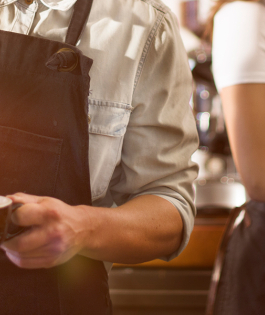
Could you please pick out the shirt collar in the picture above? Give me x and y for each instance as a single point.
(6, 2)
(61, 5)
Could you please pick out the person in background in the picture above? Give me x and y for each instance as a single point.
(238, 54)
(141, 137)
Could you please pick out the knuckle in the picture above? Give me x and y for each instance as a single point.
(56, 240)
(19, 194)
(59, 248)
(45, 200)
(55, 233)
(51, 214)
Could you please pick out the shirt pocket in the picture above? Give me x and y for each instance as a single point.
(108, 124)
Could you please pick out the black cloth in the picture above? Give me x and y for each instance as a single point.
(241, 290)
(44, 87)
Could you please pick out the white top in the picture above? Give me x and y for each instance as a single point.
(239, 44)
(142, 130)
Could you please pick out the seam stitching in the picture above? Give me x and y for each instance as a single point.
(146, 49)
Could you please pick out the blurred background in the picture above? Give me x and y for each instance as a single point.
(181, 286)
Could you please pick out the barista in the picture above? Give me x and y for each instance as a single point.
(239, 72)
(141, 136)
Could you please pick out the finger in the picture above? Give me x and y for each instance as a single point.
(41, 258)
(35, 239)
(42, 252)
(32, 262)
(23, 242)
(28, 214)
(33, 214)
(25, 198)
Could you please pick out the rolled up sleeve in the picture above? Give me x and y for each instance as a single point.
(161, 135)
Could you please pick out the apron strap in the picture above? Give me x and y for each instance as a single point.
(81, 13)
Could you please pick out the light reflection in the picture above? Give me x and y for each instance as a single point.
(106, 30)
(137, 35)
(204, 94)
(102, 33)
(204, 120)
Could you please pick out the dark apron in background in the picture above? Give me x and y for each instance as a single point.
(241, 287)
(44, 87)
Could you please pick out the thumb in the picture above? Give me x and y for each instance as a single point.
(24, 198)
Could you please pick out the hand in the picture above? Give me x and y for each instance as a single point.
(57, 232)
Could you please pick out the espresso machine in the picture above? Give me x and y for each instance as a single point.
(218, 185)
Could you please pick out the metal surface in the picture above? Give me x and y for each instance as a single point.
(226, 193)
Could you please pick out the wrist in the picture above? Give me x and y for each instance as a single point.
(90, 237)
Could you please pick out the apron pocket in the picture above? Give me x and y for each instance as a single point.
(28, 162)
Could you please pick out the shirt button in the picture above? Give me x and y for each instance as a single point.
(28, 1)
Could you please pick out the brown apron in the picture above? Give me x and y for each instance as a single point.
(44, 87)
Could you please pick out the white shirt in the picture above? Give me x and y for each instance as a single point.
(239, 44)
(142, 130)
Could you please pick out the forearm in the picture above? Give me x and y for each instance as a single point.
(144, 228)
(244, 114)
